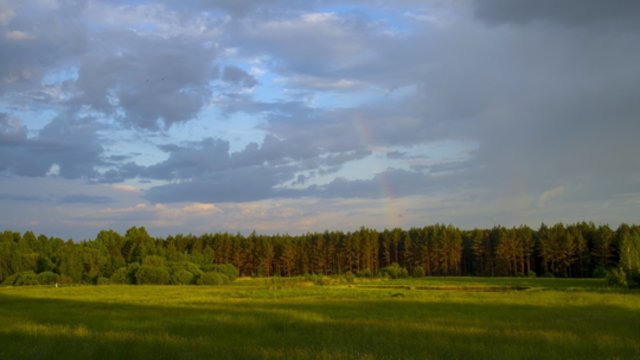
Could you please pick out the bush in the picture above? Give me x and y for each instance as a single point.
(548, 275)
(349, 277)
(228, 270)
(418, 271)
(47, 278)
(394, 271)
(120, 276)
(633, 278)
(9, 280)
(23, 279)
(102, 281)
(532, 275)
(213, 278)
(152, 275)
(617, 277)
(184, 273)
(64, 279)
(600, 272)
(366, 273)
(183, 277)
(317, 279)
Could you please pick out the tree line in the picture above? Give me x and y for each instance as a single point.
(576, 250)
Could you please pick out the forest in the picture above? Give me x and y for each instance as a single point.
(577, 250)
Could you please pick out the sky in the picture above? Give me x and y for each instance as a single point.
(285, 116)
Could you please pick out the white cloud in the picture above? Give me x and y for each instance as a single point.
(17, 35)
(200, 208)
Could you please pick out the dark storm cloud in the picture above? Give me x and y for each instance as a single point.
(211, 173)
(67, 199)
(244, 184)
(390, 183)
(235, 75)
(85, 199)
(565, 12)
(208, 169)
(155, 81)
(24, 198)
(70, 144)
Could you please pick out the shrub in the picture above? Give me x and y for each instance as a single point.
(366, 273)
(120, 276)
(25, 279)
(190, 267)
(226, 269)
(633, 279)
(102, 281)
(183, 277)
(394, 271)
(47, 278)
(617, 277)
(132, 271)
(9, 280)
(349, 277)
(213, 278)
(154, 275)
(184, 273)
(316, 279)
(64, 279)
(418, 271)
(532, 275)
(600, 272)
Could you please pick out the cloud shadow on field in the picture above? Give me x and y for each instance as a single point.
(311, 328)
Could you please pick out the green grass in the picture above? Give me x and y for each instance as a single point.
(437, 318)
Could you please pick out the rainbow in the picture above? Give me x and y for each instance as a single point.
(366, 138)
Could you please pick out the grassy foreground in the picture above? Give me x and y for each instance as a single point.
(452, 318)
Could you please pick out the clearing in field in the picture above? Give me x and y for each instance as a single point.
(437, 318)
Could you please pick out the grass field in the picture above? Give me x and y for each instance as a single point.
(450, 318)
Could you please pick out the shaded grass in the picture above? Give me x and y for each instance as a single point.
(251, 319)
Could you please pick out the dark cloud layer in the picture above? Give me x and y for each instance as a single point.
(535, 98)
(154, 81)
(565, 12)
(69, 144)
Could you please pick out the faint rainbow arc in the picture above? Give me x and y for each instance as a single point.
(366, 137)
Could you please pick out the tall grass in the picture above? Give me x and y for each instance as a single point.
(262, 318)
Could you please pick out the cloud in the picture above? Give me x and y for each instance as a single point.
(235, 75)
(200, 208)
(322, 83)
(156, 98)
(567, 12)
(240, 8)
(53, 41)
(85, 199)
(72, 145)
(6, 15)
(18, 35)
(149, 79)
(550, 195)
(23, 198)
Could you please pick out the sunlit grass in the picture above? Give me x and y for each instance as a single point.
(261, 318)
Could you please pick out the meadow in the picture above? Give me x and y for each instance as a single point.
(427, 318)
